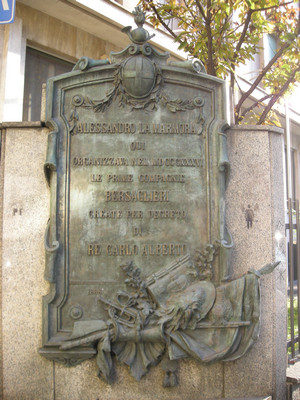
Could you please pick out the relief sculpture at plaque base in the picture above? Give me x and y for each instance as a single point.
(174, 314)
(137, 248)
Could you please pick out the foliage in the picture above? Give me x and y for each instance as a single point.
(226, 34)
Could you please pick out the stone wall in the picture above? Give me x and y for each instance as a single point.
(256, 180)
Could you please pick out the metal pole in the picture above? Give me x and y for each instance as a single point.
(288, 151)
(291, 228)
(291, 277)
(298, 264)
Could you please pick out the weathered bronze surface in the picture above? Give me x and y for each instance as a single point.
(137, 169)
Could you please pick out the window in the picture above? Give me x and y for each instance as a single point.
(38, 68)
(270, 48)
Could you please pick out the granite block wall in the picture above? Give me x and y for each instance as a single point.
(256, 182)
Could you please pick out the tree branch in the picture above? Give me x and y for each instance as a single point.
(210, 59)
(276, 96)
(271, 7)
(189, 9)
(226, 19)
(161, 20)
(247, 22)
(261, 76)
(201, 10)
(255, 104)
(242, 37)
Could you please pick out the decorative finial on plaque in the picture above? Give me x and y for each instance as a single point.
(139, 18)
(138, 35)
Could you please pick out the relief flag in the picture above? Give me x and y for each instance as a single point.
(7, 11)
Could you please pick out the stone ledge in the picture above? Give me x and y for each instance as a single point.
(293, 373)
(245, 398)
(268, 128)
(22, 124)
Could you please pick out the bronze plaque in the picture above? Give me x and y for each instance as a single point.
(136, 244)
(137, 191)
(133, 181)
(134, 175)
